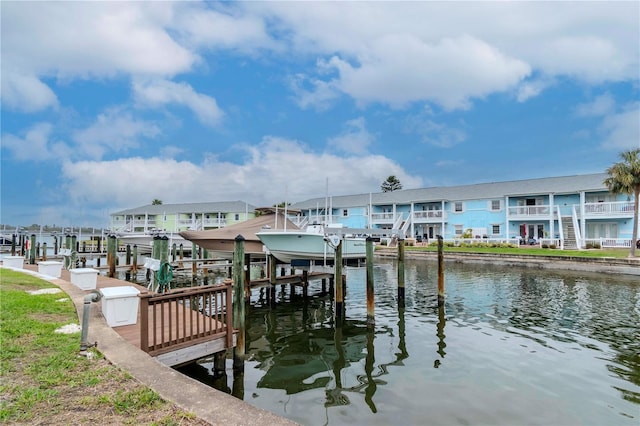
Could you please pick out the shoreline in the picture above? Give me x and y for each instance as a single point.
(628, 266)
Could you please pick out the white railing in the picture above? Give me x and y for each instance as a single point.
(528, 211)
(576, 227)
(560, 230)
(610, 242)
(428, 215)
(387, 217)
(616, 208)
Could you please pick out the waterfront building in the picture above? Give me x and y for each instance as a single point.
(173, 218)
(568, 212)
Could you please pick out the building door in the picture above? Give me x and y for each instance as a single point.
(535, 230)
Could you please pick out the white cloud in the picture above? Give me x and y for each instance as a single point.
(622, 130)
(26, 93)
(402, 68)
(114, 130)
(532, 88)
(452, 52)
(355, 139)
(274, 169)
(157, 93)
(434, 133)
(601, 106)
(82, 39)
(36, 145)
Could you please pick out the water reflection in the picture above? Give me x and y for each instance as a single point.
(547, 343)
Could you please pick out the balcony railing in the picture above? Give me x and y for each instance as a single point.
(617, 208)
(428, 216)
(386, 217)
(529, 211)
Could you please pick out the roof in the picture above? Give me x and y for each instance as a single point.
(541, 186)
(247, 229)
(213, 207)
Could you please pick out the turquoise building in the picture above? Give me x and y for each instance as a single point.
(568, 212)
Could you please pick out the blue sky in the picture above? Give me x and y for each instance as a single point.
(109, 105)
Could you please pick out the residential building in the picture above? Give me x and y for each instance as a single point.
(174, 218)
(568, 211)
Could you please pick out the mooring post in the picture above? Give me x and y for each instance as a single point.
(74, 243)
(305, 283)
(13, 245)
(194, 264)
(370, 289)
(128, 255)
(339, 290)
(272, 278)
(440, 271)
(55, 245)
(134, 265)
(401, 272)
(181, 256)
(112, 247)
(32, 250)
(219, 363)
(247, 277)
(44, 251)
(238, 302)
(174, 252)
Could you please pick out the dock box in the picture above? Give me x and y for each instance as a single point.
(85, 278)
(120, 305)
(13, 261)
(51, 268)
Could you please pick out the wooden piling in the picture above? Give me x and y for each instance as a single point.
(401, 272)
(13, 245)
(194, 264)
(219, 363)
(128, 255)
(134, 265)
(440, 271)
(181, 256)
(370, 289)
(32, 250)
(247, 277)
(44, 251)
(112, 247)
(272, 279)
(339, 290)
(238, 303)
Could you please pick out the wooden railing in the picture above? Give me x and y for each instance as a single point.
(185, 318)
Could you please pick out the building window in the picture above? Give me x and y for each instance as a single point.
(345, 212)
(458, 206)
(458, 230)
(237, 216)
(495, 229)
(495, 205)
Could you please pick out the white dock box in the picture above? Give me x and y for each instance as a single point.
(120, 305)
(51, 268)
(13, 261)
(85, 278)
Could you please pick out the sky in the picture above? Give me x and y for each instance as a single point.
(110, 105)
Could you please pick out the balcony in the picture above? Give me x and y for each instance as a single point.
(611, 209)
(386, 218)
(529, 212)
(429, 216)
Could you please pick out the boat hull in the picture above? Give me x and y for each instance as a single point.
(287, 246)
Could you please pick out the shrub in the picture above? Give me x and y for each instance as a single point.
(545, 246)
(552, 246)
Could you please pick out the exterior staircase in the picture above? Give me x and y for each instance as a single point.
(569, 234)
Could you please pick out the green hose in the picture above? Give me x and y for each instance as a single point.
(164, 275)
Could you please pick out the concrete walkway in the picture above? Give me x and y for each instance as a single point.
(207, 403)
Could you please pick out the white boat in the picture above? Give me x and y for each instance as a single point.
(314, 243)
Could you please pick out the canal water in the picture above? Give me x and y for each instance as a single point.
(511, 346)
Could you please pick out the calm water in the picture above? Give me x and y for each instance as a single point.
(511, 346)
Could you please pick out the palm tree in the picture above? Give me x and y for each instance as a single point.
(624, 178)
(391, 184)
(156, 202)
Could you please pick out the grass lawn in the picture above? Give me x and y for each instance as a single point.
(46, 381)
